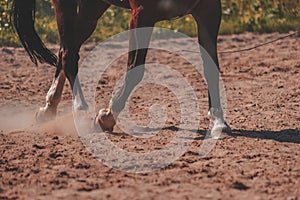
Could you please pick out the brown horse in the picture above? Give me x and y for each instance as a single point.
(77, 19)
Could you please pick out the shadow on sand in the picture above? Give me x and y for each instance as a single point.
(287, 135)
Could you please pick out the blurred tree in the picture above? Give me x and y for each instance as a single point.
(4, 17)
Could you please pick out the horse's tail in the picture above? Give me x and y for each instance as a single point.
(23, 12)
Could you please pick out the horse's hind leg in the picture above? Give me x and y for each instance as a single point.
(74, 28)
(53, 96)
(207, 15)
(135, 69)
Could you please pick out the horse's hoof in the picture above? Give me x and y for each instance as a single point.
(105, 119)
(44, 115)
(219, 129)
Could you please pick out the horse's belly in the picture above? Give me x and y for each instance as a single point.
(160, 9)
(168, 9)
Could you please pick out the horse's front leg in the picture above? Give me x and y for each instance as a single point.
(135, 67)
(207, 16)
(88, 13)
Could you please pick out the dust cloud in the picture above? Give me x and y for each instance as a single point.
(14, 119)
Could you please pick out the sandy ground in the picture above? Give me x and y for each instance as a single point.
(261, 160)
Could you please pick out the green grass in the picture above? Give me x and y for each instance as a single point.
(239, 16)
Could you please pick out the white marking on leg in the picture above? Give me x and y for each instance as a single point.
(52, 99)
(54, 93)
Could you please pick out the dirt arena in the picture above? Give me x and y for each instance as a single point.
(260, 160)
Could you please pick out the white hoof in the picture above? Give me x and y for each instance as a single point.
(219, 129)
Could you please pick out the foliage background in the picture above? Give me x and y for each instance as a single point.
(239, 16)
